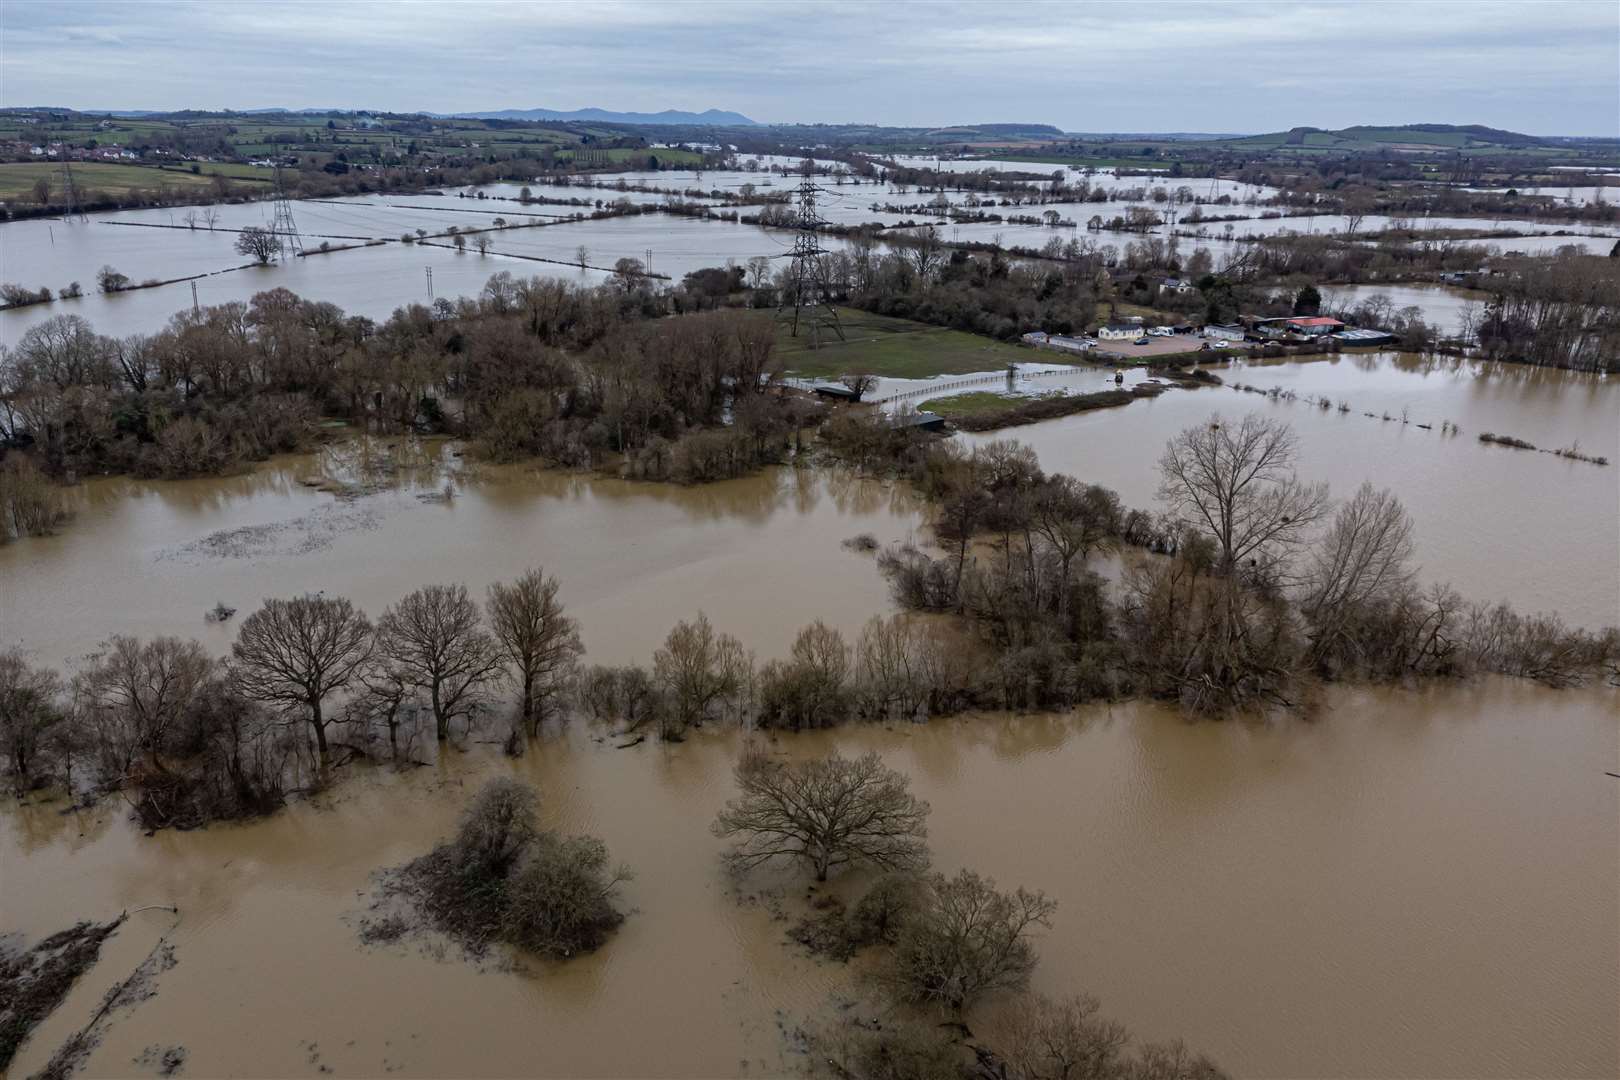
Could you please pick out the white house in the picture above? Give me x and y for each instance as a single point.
(1119, 331)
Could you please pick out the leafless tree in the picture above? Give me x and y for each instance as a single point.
(967, 939)
(293, 654)
(436, 640)
(1236, 483)
(828, 812)
(1364, 559)
(210, 217)
(134, 697)
(697, 669)
(582, 255)
(30, 707)
(536, 637)
(859, 385)
(42, 190)
(257, 243)
(1066, 1039)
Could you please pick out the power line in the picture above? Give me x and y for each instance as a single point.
(75, 209)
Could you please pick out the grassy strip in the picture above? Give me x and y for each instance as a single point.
(1034, 410)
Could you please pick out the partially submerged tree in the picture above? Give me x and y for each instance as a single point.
(967, 939)
(293, 654)
(262, 245)
(435, 638)
(697, 669)
(30, 709)
(536, 637)
(1236, 484)
(826, 812)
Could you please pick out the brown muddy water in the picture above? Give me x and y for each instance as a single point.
(1413, 883)
(761, 556)
(1418, 884)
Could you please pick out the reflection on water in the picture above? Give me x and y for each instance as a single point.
(1415, 884)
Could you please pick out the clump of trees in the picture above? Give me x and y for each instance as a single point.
(528, 369)
(188, 739)
(504, 878)
(1244, 589)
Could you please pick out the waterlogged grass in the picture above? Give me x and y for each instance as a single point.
(894, 348)
(978, 401)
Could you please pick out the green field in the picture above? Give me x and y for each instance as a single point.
(896, 348)
(17, 179)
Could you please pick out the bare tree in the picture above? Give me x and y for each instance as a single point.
(210, 217)
(42, 190)
(257, 243)
(859, 385)
(582, 255)
(1236, 483)
(698, 668)
(967, 939)
(536, 637)
(1046, 1039)
(134, 696)
(30, 707)
(1365, 558)
(828, 812)
(436, 640)
(294, 653)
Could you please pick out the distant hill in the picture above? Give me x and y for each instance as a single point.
(1434, 138)
(707, 118)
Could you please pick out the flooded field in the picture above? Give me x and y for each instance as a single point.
(1414, 885)
(1536, 530)
(151, 558)
(1411, 883)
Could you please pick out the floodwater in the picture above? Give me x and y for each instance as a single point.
(761, 556)
(1539, 531)
(1413, 884)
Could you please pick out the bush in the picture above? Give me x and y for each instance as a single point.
(560, 899)
(505, 879)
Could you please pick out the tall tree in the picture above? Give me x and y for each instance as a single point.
(1236, 483)
(294, 653)
(436, 639)
(536, 637)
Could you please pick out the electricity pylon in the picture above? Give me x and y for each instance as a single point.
(807, 277)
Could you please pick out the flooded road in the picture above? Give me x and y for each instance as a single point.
(1415, 884)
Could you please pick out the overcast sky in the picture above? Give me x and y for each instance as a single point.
(1540, 66)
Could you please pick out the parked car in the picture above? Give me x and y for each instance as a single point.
(1141, 341)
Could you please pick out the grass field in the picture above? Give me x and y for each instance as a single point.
(17, 179)
(896, 348)
(977, 401)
